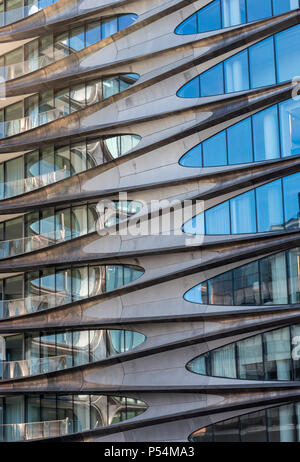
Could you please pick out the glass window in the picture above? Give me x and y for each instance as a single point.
(220, 289)
(195, 225)
(209, 17)
(227, 431)
(214, 150)
(98, 345)
(266, 134)
(77, 98)
(239, 138)
(191, 89)
(291, 196)
(294, 275)
(94, 91)
(93, 33)
(114, 277)
(96, 280)
(189, 26)
(282, 6)
(278, 354)
(62, 162)
(212, 81)
(281, 425)
(223, 362)
(253, 427)
(233, 12)
(126, 20)
(79, 221)
(243, 214)
(80, 347)
(262, 63)
(197, 294)
(246, 285)
(193, 158)
(77, 39)
(289, 113)
(78, 158)
(109, 27)
(61, 46)
(250, 358)
(80, 283)
(236, 73)
(63, 225)
(269, 207)
(258, 9)
(62, 102)
(217, 219)
(273, 280)
(287, 53)
(14, 175)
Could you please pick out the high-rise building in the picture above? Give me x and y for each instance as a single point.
(149, 205)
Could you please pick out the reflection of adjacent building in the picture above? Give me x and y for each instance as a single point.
(57, 415)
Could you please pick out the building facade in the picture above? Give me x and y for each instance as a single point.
(150, 214)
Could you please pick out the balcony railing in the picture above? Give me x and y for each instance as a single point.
(35, 430)
(22, 185)
(20, 306)
(16, 126)
(28, 244)
(13, 71)
(33, 366)
(16, 14)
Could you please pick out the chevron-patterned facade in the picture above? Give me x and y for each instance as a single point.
(188, 334)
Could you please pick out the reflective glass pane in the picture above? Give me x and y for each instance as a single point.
(80, 283)
(214, 150)
(233, 12)
(294, 275)
(92, 33)
(80, 347)
(217, 219)
(262, 63)
(109, 27)
(223, 362)
(239, 139)
(273, 280)
(77, 39)
(220, 289)
(236, 73)
(278, 354)
(246, 285)
(197, 294)
(291, 197)
(253, 427)
(189, 26)
(250, 358)
(258, 9)
(282, 6)
(191, 89)
(209, 17)
(288, 53)
(289, 113)
(227, 431)
(212, 81)
(266, 134)
(242, 213)
(193, 158)
(269, 206)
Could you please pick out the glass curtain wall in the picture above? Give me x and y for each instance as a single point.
(273, 206)
(276, 424)
(45, 50)
(57, 415)
(42, 352)
(220, 14)
(268, 134)
(273, 60)
(47, 165)
(273, 355)
(51, 105)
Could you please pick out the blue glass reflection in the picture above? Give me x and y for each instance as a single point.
(228, 13)
(258, 61)
(268, 134)
(270, 207)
